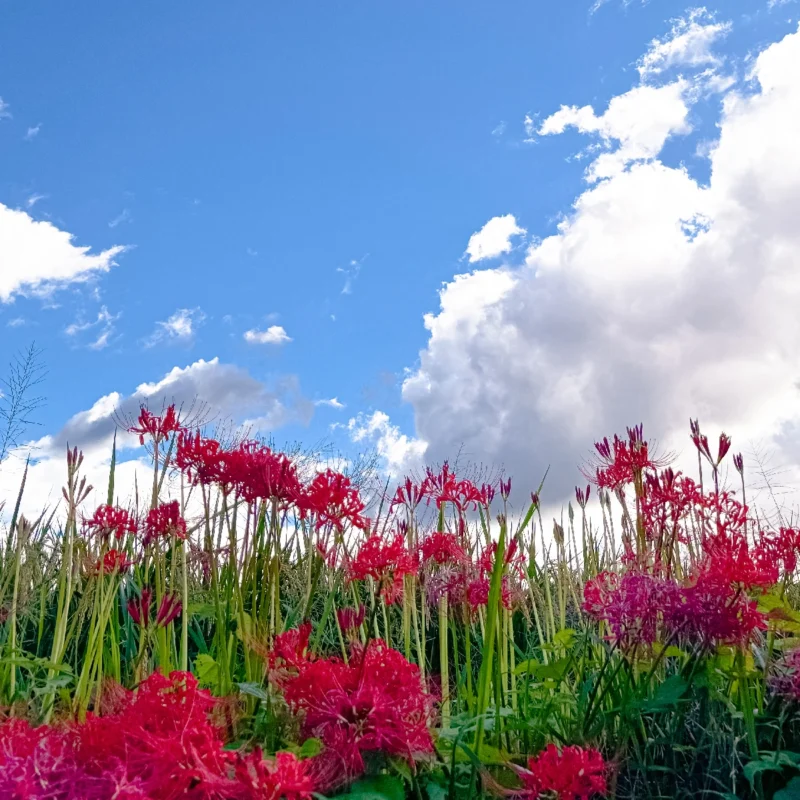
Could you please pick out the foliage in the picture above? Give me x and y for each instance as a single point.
(430, 644)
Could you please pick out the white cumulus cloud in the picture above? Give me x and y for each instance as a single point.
(494, 238)
(400, 454)
(204, 390)
(275, 334)
(37, 258)
(658, 298)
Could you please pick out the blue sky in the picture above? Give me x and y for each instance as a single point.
(318, 169)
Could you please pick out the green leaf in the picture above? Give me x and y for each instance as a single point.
(789, 792)
(253, 689)
(667, 695)
(310, 748)
(206, 669)
(753, 768)
(564, 638)
(435, 791)
(380, 787)
(526, 666)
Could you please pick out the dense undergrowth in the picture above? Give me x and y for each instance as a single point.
(259, 635)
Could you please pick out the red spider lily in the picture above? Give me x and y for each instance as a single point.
(168, 609)
(385, 562)
(113, 561)
(157, 428)
(443, 548)
(110, 521)
(285, 777)
(622, 461)
(478, 592)
(262, 474)
(712, 615)
(581, 496)
(139, 607)
(732, 564)
(165, 522)
(632, 605)
(203, 460)
(738, 463)
(291, 647)
(514, 559)
(782, 548)
(444, 487)
(505, 488)
(571, 773)
(373, 704)
(408, 494)
(333, 500)
(351, 620)
(158, 744)
(487, 493)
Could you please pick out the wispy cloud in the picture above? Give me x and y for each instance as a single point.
(16, 322)
(123, 216)
(689, 42)
(34, 199)
(251, 252)
(103, 326)
(499, 129)
(32, 132)
(351, 273)
(180, 327)
(275, 334)
(4, 112)
(333, 402)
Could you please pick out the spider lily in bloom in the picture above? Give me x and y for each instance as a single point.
(622, 461)
(157, 428)
(164, 522)
(333, 500)
(139, 607)
(572, 773)
(373, 704)
(262, 474)
(202, 459)
(113, 561)
(385, 562)
(108, 521)
(443, 548)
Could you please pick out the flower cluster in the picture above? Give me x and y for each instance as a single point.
(373, 703)
(386, 562)
(158, 744)
(571, 773)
